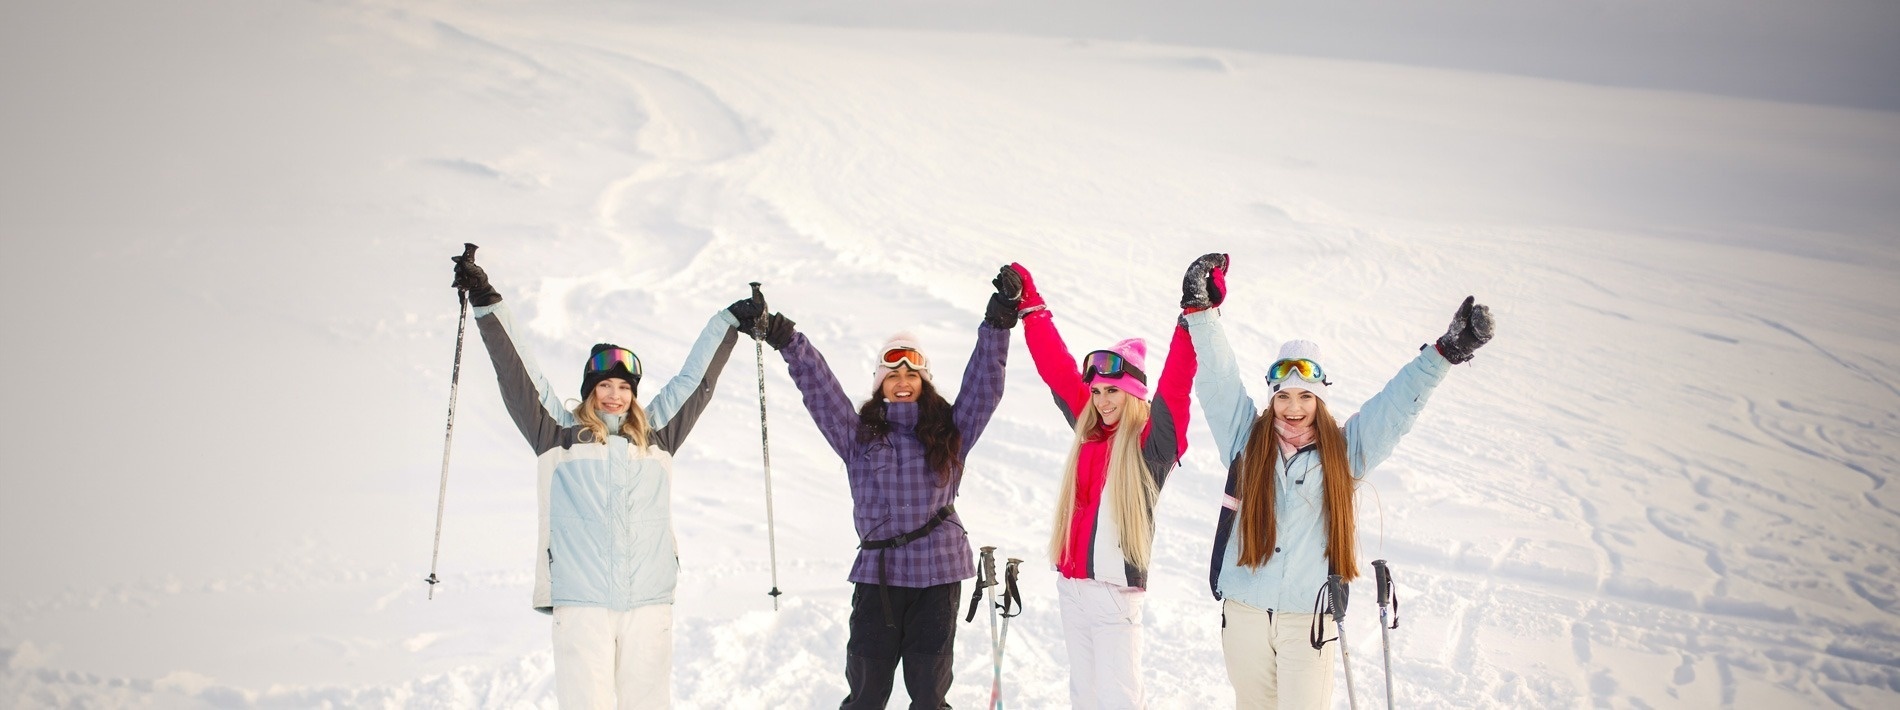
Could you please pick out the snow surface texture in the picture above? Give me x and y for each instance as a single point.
(1665, 484)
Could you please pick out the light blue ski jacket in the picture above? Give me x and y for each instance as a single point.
(1294, 574)
(606, 523)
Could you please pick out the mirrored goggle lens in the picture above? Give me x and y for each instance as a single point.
(905, 356)
(607, 359)
(1302, 368)
(1103, 363)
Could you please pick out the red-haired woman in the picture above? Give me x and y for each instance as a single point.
(1292, 470)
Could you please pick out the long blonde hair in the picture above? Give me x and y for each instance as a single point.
(1130, 489)
(1258, 526)
(634, 426)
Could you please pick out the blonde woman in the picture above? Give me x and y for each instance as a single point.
(605, 561)
(1102, 541)
(1288, 520)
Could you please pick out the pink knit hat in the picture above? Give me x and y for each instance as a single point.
(1133, 380)
(904, 339)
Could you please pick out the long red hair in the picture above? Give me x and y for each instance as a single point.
(1258, 480)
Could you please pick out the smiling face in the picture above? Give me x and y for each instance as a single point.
(612, 396)
(903, 385)
(1108, 401)
(1294, 407)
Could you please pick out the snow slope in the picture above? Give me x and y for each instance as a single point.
(1665, 484)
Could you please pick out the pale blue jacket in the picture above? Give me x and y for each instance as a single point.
(1294, 574)
(606, 522)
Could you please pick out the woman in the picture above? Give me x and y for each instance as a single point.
(903, 451)
(605, 558)
(1123, 450)
(1291, 474)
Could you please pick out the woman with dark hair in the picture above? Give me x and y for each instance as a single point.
(903, 451)
(1292, 471)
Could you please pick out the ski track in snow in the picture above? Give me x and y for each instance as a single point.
(1697, 535)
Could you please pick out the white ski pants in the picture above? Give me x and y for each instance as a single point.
(613, 660)
(1102, 624)
(1271, 661)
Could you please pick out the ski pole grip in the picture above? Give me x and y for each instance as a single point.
(1336, 589)
(755, 292)
(989, 566)
(1384, 577)
(468, 252)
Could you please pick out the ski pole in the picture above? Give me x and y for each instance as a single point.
(987, 583)
(455, 387)
(1012, 607)
(765, 446)
(1336, 589)
(1384, 579)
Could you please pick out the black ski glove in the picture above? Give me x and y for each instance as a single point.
(778, 331)
(471, 278)
(1001, 312)
(750, 312)
(1470, 329)
(1204, 285)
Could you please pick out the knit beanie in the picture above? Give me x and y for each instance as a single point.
(591, 377)
(1299, 350)
(902, 339)
(1134, 352)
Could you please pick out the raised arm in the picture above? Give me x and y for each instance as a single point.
(824, 397)
(1168, 417)
(982, 386)
(532, 404)
(1374, 432)
(1054, 362)
(676, 407)
(1230, 411)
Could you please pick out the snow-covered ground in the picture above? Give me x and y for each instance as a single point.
(1665, 484)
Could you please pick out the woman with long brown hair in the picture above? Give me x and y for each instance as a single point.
(1292, 472)
(1101, 542)
(903, 451)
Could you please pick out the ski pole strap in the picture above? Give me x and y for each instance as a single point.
(1316, 632)
(883, 559)
(1012, 598)
(983, 579)
(1331, 601)
(1387, 593)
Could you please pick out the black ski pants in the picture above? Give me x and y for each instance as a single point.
(926, 630)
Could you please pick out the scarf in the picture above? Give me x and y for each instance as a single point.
(1291, 439)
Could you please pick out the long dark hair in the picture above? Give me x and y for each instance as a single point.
(936, 428)
(1257, 483)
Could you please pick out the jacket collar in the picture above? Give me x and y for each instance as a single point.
(901, 415)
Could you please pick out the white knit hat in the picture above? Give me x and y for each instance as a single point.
(902, 339)
(1299, 350)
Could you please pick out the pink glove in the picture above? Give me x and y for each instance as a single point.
(1032, 299)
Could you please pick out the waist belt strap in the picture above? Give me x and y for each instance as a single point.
(883, 576)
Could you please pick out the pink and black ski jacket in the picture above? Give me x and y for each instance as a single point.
(1092, 530)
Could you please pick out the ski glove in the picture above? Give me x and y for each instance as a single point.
(1007, 299)
(778, 331)
(1204, 285)
(471, 278)
(1032, 299)
(1470, 329)
(750, 312)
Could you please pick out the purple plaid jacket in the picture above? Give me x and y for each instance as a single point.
(893, 490)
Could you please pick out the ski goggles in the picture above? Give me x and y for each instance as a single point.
(905, 356)
(1108, 363)
(607, 360)
(1297, 367)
